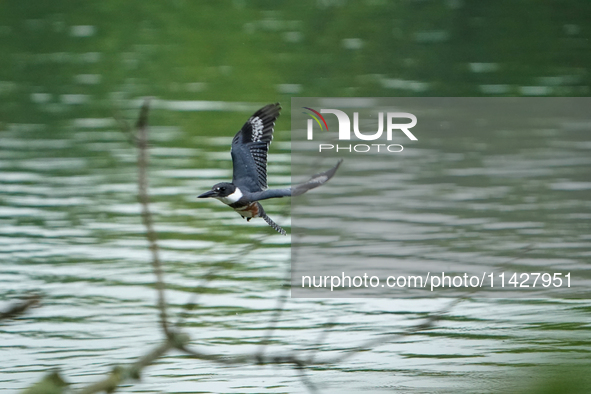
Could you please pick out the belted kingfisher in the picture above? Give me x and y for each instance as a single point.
(249, 181)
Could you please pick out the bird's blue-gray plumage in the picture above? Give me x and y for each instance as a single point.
(249, 182)
(313, 182)
(250, 147)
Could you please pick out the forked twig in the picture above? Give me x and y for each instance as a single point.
(144, 199)
(299, 360)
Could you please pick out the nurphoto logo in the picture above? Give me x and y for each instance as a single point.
(345, 130)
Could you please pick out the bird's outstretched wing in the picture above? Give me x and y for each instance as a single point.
(250, 147)
(313, 182)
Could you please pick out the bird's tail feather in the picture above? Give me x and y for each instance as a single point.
(271, 223)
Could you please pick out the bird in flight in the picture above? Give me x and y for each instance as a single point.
(249, 181)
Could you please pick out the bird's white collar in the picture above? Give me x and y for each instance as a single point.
(232, 198)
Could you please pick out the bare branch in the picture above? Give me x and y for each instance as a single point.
(125, 128)
(119, 374)
(260, 358)
(144, 199)
(388, 338)
(279, 308)
(300, 360)
(306, 380)
(21, 307)
(320, 340)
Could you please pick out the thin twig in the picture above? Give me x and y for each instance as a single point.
(320, 340)
(261, 358)
(21, 307)
(238, 256)
(194, 298)
(279, 308)
(388, 338)
(173, 340)
(301, 370)
(280, 304)
(180, 341)
(144, 199)
(119, 374)
(125, 128)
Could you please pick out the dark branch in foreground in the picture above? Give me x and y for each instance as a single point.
(18, 308)
(179, 341)
(300, 361)
(119, 375)
(144, 199)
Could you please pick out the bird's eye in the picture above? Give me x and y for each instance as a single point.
(217, 189)
(222, 189)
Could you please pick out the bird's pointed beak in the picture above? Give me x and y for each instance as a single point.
(209, 193)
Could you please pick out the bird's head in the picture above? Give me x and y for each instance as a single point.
(219, 190)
